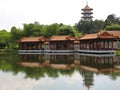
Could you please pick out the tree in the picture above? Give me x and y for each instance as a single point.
(33, 29)
(66, 30)
(85, 26)
(16, 33)
(112, 19)
(98, 25)
(52, 30)
(37, 29)
(113, 27)
(5, 38)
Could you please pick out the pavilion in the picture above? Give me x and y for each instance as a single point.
(101, 42)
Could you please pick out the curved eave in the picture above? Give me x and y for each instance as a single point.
(87, 13)
(29, 41)
(84, 9)
(87, 16)
(62, 40)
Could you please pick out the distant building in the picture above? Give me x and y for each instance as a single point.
(87, 13)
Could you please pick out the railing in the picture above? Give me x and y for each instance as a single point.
(68, 51)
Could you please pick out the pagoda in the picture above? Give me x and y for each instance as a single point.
(87, 13)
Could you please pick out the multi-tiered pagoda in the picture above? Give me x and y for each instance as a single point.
(87, 13)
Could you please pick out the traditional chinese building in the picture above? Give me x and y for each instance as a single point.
(103, 41)
(31, 43)
(65, 43)
(87, 13)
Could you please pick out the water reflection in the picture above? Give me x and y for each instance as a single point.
(84, 68)
(97, 64)
(87, 65)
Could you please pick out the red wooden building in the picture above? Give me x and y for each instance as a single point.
(31, 43)
(102, 41)
(106, 40)
(65, 42)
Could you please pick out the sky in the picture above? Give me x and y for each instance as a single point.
(18, 12)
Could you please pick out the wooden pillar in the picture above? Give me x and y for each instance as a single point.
(61, 46)
(112, 45)
(80, 45)
(92, 45)
(40, 46)
(100, 45)
(68, 47)
(50, 46)
(108, 44)
(35, 46)
(30, 46)
(25, 47)
(73, 45)
(103, 44)
(89, 45)
(96, 45)
(85, 45)
(20, 46)
(55, 46)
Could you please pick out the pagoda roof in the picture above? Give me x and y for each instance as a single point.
(103, 35)
(87, 8)
(32, 39)
(61, 38)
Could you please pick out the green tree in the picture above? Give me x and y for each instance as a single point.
(37, 29)
(33, 29)
(113, 27)
(52, 30)
(98, 25)
(66, 30)
(85, 26)
(112, 19)
(5, 38)
(16, 33)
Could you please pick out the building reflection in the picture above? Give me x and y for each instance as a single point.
(53, 61)
(101, 64)
(87, 65)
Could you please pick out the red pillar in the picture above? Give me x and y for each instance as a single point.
(73, 45)
(68, 46)
(108, 44)
(25, 45)
(112, 45)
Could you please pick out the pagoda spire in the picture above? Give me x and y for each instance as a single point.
(86, 3)
(87, 13)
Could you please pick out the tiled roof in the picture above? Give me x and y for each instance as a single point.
(104, 34)
(114, 33)
(87, 8)
(89, 36)
(32, 39)
(61, 38)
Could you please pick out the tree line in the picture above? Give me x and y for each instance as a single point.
(8, 39)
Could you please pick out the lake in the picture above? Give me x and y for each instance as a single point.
(59, 71)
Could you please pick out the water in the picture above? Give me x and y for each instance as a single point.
(59, 72)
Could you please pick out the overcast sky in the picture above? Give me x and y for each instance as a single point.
(18, 12)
